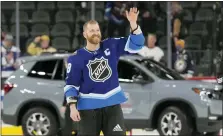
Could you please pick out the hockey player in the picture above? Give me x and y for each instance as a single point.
(92, 87)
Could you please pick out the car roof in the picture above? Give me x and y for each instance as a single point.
(65, 55)
(43, 57)
(131, 57)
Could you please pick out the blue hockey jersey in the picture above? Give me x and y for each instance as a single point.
(93, 76)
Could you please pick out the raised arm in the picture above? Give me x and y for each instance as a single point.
(135, 41)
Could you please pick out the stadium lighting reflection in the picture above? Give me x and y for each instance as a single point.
(41, 73)
(33, 72)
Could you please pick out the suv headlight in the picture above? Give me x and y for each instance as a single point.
(208, 93)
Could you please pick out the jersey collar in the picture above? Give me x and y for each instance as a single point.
(92, 52)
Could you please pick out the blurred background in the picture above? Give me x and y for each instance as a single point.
(33, 28)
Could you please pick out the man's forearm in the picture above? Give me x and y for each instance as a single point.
(72, 102)
(133, 26)
(73, 106)
(71, 97)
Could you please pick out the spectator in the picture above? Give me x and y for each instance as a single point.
(151, 50)
(148, 17)
(115, 14)
(182, 61)
(9, 54)
(43, 41)
(177, 20)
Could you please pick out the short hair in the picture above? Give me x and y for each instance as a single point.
(152, 34)
(89, 22)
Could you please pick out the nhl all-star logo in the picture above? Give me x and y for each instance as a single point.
(99, 70)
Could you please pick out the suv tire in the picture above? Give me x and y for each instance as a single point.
(174, 121)
(32, 119)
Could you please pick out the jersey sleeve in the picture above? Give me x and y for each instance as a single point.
(131, 44)
(73, 78)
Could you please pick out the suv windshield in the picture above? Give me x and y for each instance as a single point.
(160, 70)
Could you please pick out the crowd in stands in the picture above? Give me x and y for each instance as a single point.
(52, 26)
(9, 54)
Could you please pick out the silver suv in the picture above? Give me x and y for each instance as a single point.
(159, 98)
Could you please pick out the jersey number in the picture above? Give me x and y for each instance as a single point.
(69, 67)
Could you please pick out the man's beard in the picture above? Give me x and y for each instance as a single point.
(94, 39)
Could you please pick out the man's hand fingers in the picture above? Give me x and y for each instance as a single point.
(72, 117)
(131, 9)
(127, 13)
(78, 116)
(135, 10)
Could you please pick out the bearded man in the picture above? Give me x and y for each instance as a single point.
(92, 87)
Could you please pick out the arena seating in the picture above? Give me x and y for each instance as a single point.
(63, 22)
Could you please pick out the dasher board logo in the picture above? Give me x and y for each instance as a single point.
(99, 70)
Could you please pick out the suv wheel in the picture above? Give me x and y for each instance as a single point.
(172, 121)
(39, 121)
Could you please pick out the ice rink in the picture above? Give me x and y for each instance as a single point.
(15, 130)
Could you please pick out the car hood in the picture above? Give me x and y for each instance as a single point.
(194, 84)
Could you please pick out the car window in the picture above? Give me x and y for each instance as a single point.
(43, 69)
(128, 71)
(59, 75)
(161, 71)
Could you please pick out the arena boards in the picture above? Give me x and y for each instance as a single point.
(12, 130)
